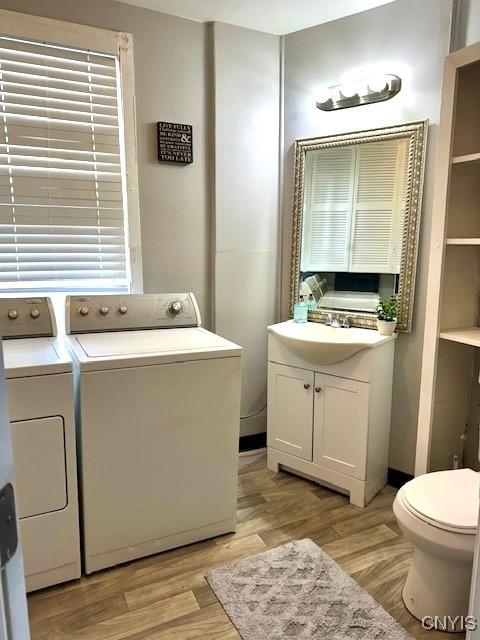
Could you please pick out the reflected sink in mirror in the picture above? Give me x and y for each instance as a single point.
(324, 344)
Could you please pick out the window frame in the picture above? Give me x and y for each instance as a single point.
(119, 44)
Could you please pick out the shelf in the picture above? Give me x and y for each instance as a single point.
(471, 157)
(464, 241)
(464, 336)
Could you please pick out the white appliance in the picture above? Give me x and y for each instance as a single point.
(159, 413)
(40, 396)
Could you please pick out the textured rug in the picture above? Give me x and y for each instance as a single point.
(297, 591)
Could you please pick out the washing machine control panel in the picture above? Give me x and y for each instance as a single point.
(123, 312)
(27, 318)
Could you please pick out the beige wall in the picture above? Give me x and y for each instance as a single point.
(411, 38)
(174, 76)
(247, 97)
(222, 210)
(172, 84)
(467, 30)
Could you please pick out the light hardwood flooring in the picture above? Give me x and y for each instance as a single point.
(166, 597)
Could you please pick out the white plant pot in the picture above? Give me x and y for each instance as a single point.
(386, 327)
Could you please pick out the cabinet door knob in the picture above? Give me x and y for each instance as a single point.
(318, 389)
(306, 385)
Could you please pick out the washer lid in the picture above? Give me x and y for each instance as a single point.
(446, 499)
(102, 345)
(112, 350)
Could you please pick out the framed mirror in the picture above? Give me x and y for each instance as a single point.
(357, 204)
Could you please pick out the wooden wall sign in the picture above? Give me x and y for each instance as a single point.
(175, 142)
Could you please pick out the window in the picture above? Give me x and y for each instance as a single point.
(65, 207)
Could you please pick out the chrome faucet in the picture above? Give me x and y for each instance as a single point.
(336, 321)
(333, 320)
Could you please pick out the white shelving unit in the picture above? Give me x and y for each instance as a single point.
(450, 364)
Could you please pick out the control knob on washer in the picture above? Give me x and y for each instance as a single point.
(84, 311)
(35, 313)
(12, 314)
(104, 310)
(123, 309)
(174, 308)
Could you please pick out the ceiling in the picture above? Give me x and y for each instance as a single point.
(273, 16)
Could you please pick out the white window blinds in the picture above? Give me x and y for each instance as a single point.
(62, 204)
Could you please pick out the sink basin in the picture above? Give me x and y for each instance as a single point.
(325, 345)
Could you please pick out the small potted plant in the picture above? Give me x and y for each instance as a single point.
(387, 316)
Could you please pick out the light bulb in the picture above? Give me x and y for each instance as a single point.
(323, 95)
(349, 89)
(378, 83)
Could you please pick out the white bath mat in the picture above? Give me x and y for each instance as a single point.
(297, 591)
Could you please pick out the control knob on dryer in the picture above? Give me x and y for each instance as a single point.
(84, 311)
(123, 309)
(35, 313)
(12, 314)
(104, 310)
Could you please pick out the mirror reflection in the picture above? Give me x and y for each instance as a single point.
(356, 213)
(354, 204)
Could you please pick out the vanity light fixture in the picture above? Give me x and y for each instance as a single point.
(353, 94)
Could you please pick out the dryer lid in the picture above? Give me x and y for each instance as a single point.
(25, 357)
(447, 499)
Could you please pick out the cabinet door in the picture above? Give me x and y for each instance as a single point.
(290, 410)
(340, 425)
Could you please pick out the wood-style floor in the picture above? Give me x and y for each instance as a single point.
(166, 597)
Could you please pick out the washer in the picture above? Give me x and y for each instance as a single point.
(41, 404)
(159, 414)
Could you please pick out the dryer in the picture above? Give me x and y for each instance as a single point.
(159, 413)
(39, 377)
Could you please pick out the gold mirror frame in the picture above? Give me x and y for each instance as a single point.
(416, 132)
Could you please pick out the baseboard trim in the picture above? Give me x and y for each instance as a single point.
(255, 441)
(398, 478)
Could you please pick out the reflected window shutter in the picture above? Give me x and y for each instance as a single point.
(328, 203)
(62, 212)
(379, 206)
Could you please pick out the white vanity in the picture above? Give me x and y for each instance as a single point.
(329, 403)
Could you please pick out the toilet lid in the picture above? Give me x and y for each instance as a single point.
(447, 499)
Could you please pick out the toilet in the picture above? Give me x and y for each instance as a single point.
(438, 513)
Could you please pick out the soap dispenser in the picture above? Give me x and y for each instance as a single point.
(300, 310)
(312, 303)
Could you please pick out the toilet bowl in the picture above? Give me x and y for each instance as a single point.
(438, 513)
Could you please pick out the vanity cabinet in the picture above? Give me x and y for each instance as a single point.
(331, 423)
